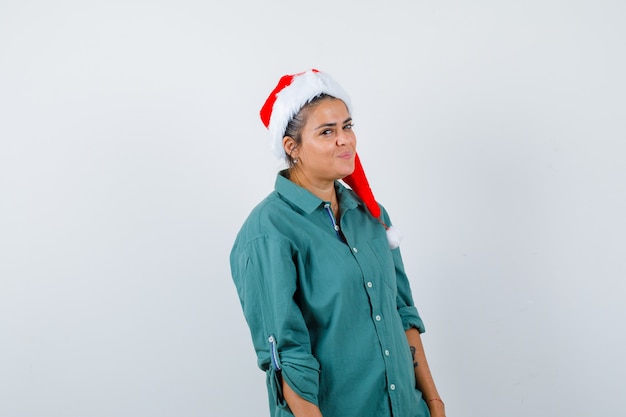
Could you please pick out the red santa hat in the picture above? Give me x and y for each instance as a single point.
(293, 92)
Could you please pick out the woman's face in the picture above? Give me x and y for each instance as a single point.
(328, 145)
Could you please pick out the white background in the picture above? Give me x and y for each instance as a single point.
(131, 152)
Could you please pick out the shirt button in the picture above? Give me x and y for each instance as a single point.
(392, 387)
(378, 318)
(386, 352)
(355, 250)
(369, 285)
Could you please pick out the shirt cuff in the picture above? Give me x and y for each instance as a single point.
(302, 376)
(410, 318)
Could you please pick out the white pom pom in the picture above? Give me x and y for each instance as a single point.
(394, 237)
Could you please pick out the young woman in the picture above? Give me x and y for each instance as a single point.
(319, 274)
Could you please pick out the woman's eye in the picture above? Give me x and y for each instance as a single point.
(326, 132)
(349, 126)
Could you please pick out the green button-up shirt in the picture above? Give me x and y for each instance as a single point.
(328, 304)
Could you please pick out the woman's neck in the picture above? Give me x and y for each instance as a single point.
(325, 190)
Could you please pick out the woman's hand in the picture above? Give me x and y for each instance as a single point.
(437, 408)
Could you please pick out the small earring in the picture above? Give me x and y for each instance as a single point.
(295, 160)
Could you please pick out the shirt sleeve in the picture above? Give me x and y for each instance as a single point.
(265, 274)
(406, 307)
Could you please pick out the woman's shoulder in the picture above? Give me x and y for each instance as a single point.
(265, 217)
(267, 208)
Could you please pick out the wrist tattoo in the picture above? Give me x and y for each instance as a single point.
(413, 353)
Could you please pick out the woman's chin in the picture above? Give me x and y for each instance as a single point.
(345, 172)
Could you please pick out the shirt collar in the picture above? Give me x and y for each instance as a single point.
(307, 201)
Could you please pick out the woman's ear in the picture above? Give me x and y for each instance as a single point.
(290, 146)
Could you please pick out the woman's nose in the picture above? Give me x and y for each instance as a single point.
(344, 138)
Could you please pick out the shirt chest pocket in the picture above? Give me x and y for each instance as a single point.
(382, 262)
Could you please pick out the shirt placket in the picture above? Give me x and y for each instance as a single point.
(374, 290)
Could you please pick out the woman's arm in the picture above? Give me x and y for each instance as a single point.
(424, 378)
(298, 405)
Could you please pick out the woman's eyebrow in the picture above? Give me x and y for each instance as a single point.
(326, 125)
(349, 119)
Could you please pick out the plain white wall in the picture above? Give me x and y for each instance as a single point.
(131, 151)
